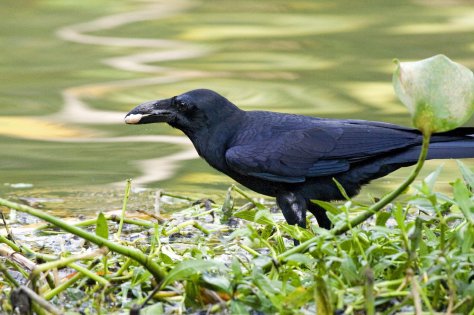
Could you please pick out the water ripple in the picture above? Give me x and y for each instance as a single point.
(76, 110)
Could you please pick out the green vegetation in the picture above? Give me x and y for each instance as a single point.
(414, 256)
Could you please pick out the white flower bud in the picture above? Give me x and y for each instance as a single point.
(438, 92)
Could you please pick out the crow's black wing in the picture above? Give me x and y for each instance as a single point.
(327, 149)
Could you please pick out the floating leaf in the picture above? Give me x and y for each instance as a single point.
(438, 92)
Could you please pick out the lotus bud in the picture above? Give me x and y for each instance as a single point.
(438, 92)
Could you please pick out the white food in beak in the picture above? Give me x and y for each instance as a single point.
(133, 118)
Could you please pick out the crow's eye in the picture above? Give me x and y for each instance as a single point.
(180, 105)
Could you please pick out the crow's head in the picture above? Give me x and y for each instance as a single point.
(190, 112)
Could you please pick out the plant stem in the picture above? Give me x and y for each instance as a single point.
(69, 261)
(11, 244)
(8, 276)
(369, 291)
(244, 194)
(181, 226)
(124, 206)
(133, 253)
(83, 271)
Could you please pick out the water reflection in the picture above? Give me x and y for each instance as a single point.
(65, 96)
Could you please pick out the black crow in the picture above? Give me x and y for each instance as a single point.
(293, 157)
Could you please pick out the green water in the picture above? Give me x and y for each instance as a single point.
(70, 70)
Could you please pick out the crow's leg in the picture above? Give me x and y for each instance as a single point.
(293, 207)
(320, 214)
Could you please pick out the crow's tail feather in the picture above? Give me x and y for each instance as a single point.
(459, 132)
(458, 149)
(462, 149)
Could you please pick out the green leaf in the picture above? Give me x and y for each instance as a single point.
(382, 218)
(430, 180)
(432, 239)
(462, 196)
(399, 216)
(237, 307)
(438, 92)
(236, 269)
(296, 232)
(140, 275)
(254, 215)
(349, 270)
(329, 207)
(261, 261)
(102, 228)
(155, 309)
(269, 287)
(188, 268)
(168, 256)
(415, 237)
(298, 298)
(300, 259)
(468, 239)
(341, 189)
(264, 216)
(218, 282)
(467, 174)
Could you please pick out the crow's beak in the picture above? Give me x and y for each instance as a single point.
(150, 112)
